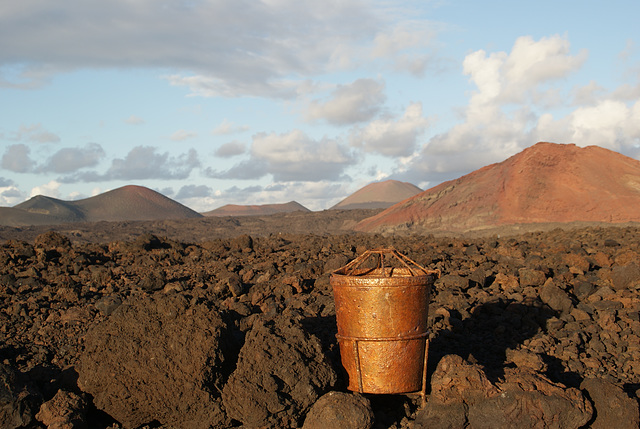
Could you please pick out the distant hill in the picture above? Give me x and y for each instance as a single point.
(256, 210)
(11, 216)
(545, 183)
(133, 203)
(52, 208)
(128, 203)
(378, 195)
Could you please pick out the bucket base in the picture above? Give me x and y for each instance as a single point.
(386, 366)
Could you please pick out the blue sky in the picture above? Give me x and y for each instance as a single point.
(252, 102)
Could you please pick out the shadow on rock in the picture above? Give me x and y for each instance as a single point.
(487, 334)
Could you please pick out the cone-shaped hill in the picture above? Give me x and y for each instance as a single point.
(545, 183)
(128, 203)
(52, 209)
(133, 203)
(256, 210)
(378, 195)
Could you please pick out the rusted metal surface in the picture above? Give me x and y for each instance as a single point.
(382, 301)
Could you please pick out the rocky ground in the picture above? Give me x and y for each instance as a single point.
(535, 330)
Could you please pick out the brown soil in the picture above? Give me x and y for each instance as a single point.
(223, 331)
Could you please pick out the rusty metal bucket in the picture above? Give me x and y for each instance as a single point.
(382, 301)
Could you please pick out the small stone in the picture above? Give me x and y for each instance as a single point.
(65, 410)
(523, 358)
(529, 277)
(624, 277)
(107, 304)
(340, 410)
(234, 284)
(580, 315)
(555, 297)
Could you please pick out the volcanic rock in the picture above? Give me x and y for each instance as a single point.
(523, 399)
(614, 408)
(66, 410)
(280, 374)
(544, 183)
(556, 298)
(18, 400)
(80, 308)
(340, 410)
(157, 358)
(378, 195)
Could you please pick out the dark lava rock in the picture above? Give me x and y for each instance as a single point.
(623, 277)
(523, 399)
(157, 358)
(614, 409)
(52, 240)
(18, 400)
(340, 410)
(556, 298)
(66, 410)
(281, 372)
(163, 358)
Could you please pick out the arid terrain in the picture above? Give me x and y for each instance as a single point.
(538, 329)
(221, 322)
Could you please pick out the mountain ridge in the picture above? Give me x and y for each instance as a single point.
(544, 183)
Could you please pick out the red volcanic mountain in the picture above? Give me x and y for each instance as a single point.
(378, 195)
(545, 183)
(256, 210)
(123, 204)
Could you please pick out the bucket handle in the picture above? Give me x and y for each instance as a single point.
(414, 268)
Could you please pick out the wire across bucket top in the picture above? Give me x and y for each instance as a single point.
(382, 301)
(385, 264)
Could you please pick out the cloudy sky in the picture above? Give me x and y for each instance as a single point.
(214, 102)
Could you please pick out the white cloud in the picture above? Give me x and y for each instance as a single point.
(51, 189)
(407, 44)
(193, 191)
(181, 135)
(296, 157)
(67, 160)
(587, 94)
(500, 118)
(228, 127)
(230, 149)
(532, 63)
(609, 123)
(393, 138)
(134, 120)
(358, 101)
(216, 48)
(289, 157)
(142, 163)
(10, 195)
(202, 85)
(34, 133)
(507, 78)
(16, 158)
